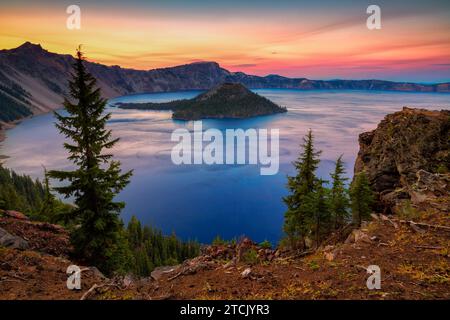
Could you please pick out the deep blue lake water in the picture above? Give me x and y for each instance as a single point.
(202, 201)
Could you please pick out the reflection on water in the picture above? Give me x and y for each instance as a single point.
(202, 201)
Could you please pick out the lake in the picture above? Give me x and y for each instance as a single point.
(202, 201)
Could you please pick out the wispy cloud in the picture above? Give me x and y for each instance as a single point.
(319, 39)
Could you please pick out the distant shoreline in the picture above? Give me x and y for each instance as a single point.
(4, 126)
(2, 138)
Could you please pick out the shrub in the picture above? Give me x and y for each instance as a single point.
(265, 244)
(250, 257)
(218, 241)
(408, 212)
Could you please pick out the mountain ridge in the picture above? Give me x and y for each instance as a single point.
(43, 75)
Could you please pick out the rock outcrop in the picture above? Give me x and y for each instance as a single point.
(10, 241)
(407, 158)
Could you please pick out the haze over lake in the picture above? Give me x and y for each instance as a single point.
(201, 201)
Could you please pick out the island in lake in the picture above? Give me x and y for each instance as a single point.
(227, 100)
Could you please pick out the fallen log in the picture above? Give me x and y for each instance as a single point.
(87, 293)
(175, 276)
(299, 255)
(420, 224)
(413, 224)
(386, 218)
(429, 247)
(96, 286)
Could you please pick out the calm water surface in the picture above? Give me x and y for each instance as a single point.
(201, 201)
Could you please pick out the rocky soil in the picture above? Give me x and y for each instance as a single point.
(414, 262)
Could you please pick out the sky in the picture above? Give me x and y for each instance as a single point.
(313, 39)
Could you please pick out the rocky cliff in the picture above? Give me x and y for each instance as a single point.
(407, 158)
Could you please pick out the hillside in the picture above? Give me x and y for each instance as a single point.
(227, 100)
(414, 264)
(41, 77)
(411, 247)
(20, 192)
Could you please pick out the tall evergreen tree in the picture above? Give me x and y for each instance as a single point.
(134, 232)
(298, 214)
(318, 206)
(97, 179)
(339, 201)
(361, 198)
(49, 203)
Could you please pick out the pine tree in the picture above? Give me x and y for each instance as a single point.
(339, 201)
(361, 198)
(318, 208)
(50, 206)
(97, 179)
(298, 214)
(134, 232)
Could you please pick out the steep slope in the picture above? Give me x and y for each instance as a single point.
(44, 75)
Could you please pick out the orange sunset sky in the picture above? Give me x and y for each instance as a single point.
(324, 40)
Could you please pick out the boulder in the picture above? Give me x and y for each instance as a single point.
(158, 272)
(246, 273)
(356, 236)
(10, 241)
